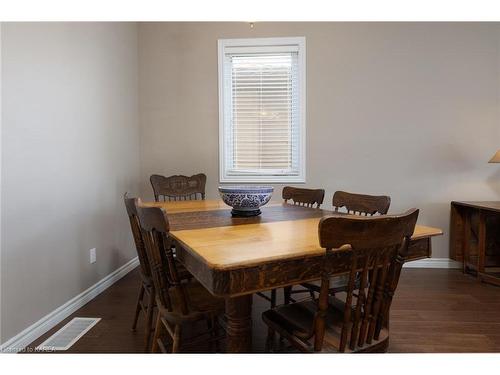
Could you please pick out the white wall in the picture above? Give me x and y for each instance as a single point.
(405, 109)
(69, 151)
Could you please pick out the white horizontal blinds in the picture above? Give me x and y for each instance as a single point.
(262, 110)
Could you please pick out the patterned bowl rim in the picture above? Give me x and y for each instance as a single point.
(246, 189)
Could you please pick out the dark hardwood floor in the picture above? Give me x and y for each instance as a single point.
(434, 311)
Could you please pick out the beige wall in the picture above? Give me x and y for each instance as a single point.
(409, 110)
(69, 151)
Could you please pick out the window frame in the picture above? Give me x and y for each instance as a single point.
(300, 43)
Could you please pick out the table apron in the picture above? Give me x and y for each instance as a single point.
(274, 274)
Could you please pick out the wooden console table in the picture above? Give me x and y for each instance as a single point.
(475, 238)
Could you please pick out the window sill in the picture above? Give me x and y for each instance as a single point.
(263, 179)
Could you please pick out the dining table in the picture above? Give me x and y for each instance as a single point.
(236, 257)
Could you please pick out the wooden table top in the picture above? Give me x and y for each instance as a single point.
(247, 245)
(283, 231)
(189, 206)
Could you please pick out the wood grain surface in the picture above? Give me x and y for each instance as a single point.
(248, 245)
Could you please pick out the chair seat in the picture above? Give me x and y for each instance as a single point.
(201, 303)
(296, 320)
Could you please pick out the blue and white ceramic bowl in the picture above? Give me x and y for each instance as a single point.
(246, 200)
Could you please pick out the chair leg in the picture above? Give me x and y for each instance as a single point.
(149, 319)
(211, 330)
(287, 292)
(273, 298)
(270, 340)
(177, 339)
(138, 307)
(311, 293)
(216, 334)
(281, 344)
(156, 336)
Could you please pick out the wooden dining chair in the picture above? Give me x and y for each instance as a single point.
(360, 322)
(303, 197)
(146, 300)
(299, 197)
(353, 204)
(179, 187)
(181, 304)
(361, 204)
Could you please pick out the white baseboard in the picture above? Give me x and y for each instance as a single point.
(30, 334)
(433, 263)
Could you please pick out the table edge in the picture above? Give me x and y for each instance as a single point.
(304, 255)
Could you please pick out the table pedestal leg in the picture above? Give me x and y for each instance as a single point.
(239, 324)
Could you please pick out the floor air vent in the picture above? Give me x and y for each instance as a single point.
(68, 335)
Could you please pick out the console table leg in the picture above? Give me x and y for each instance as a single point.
(466, 240)
(481, 242)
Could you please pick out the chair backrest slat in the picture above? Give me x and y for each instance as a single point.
(304, 197)
(178, 187)
(378, 246)
(130, 205)
(361, 204)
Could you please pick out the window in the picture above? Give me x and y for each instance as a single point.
(262, 110)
